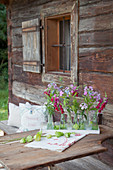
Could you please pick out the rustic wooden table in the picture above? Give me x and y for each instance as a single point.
(16, 156)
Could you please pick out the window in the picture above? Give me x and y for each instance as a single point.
(58, 44)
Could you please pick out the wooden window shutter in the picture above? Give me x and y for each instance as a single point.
(31, 46)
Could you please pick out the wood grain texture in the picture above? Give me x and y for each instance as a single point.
(94, 39)
(96, 23)
(91, 10)
(88, 2)
(99, 60)
(34, 94)
(16, 156)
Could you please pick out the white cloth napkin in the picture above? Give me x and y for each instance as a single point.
(61, 143)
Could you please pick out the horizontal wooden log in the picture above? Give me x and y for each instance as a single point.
(17, 6)
(28, 92)
(89, 10)
(33, 11)
(100, 60)
(100, 82)
(17, 57)
(103, 38)
(17, 41)
(16, 100)
(26, 77)
(66, 80)
(93, 50)
(87, 2)
(96, 23)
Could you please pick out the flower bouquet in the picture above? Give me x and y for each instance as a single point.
(81, 114)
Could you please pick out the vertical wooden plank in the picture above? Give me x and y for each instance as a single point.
(74, 41)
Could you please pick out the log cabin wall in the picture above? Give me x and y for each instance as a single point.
(95, 49)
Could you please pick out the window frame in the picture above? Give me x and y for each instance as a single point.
(71, 77)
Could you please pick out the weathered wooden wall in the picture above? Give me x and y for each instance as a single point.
(95, 49)
(96, 45)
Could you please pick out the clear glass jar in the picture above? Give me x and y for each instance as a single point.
(75, 122)
(69, 121)
(50, 124)
(95, 122)
(62, 122)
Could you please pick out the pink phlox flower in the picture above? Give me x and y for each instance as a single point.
(49, 85)
(72, 91)
(85, 89)
(74, 88)
(54, 95)
(61, 93)
(71, 85)
(91, 88)
(98, 97)
(85, 93)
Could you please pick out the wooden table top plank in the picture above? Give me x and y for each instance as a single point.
(20, 157)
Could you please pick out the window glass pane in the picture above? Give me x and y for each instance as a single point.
(65, 51)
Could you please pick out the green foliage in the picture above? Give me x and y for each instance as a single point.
(3, 65)
(3, 47)
(4, 103)
(3, 27)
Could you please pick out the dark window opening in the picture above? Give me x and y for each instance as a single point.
(58, 44)
(65, 48)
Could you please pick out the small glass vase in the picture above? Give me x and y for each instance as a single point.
(62, 122)
(81, 122)
(75, 122)
(95, 122)
(88, 122)
(50, 125)
(69, 121)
